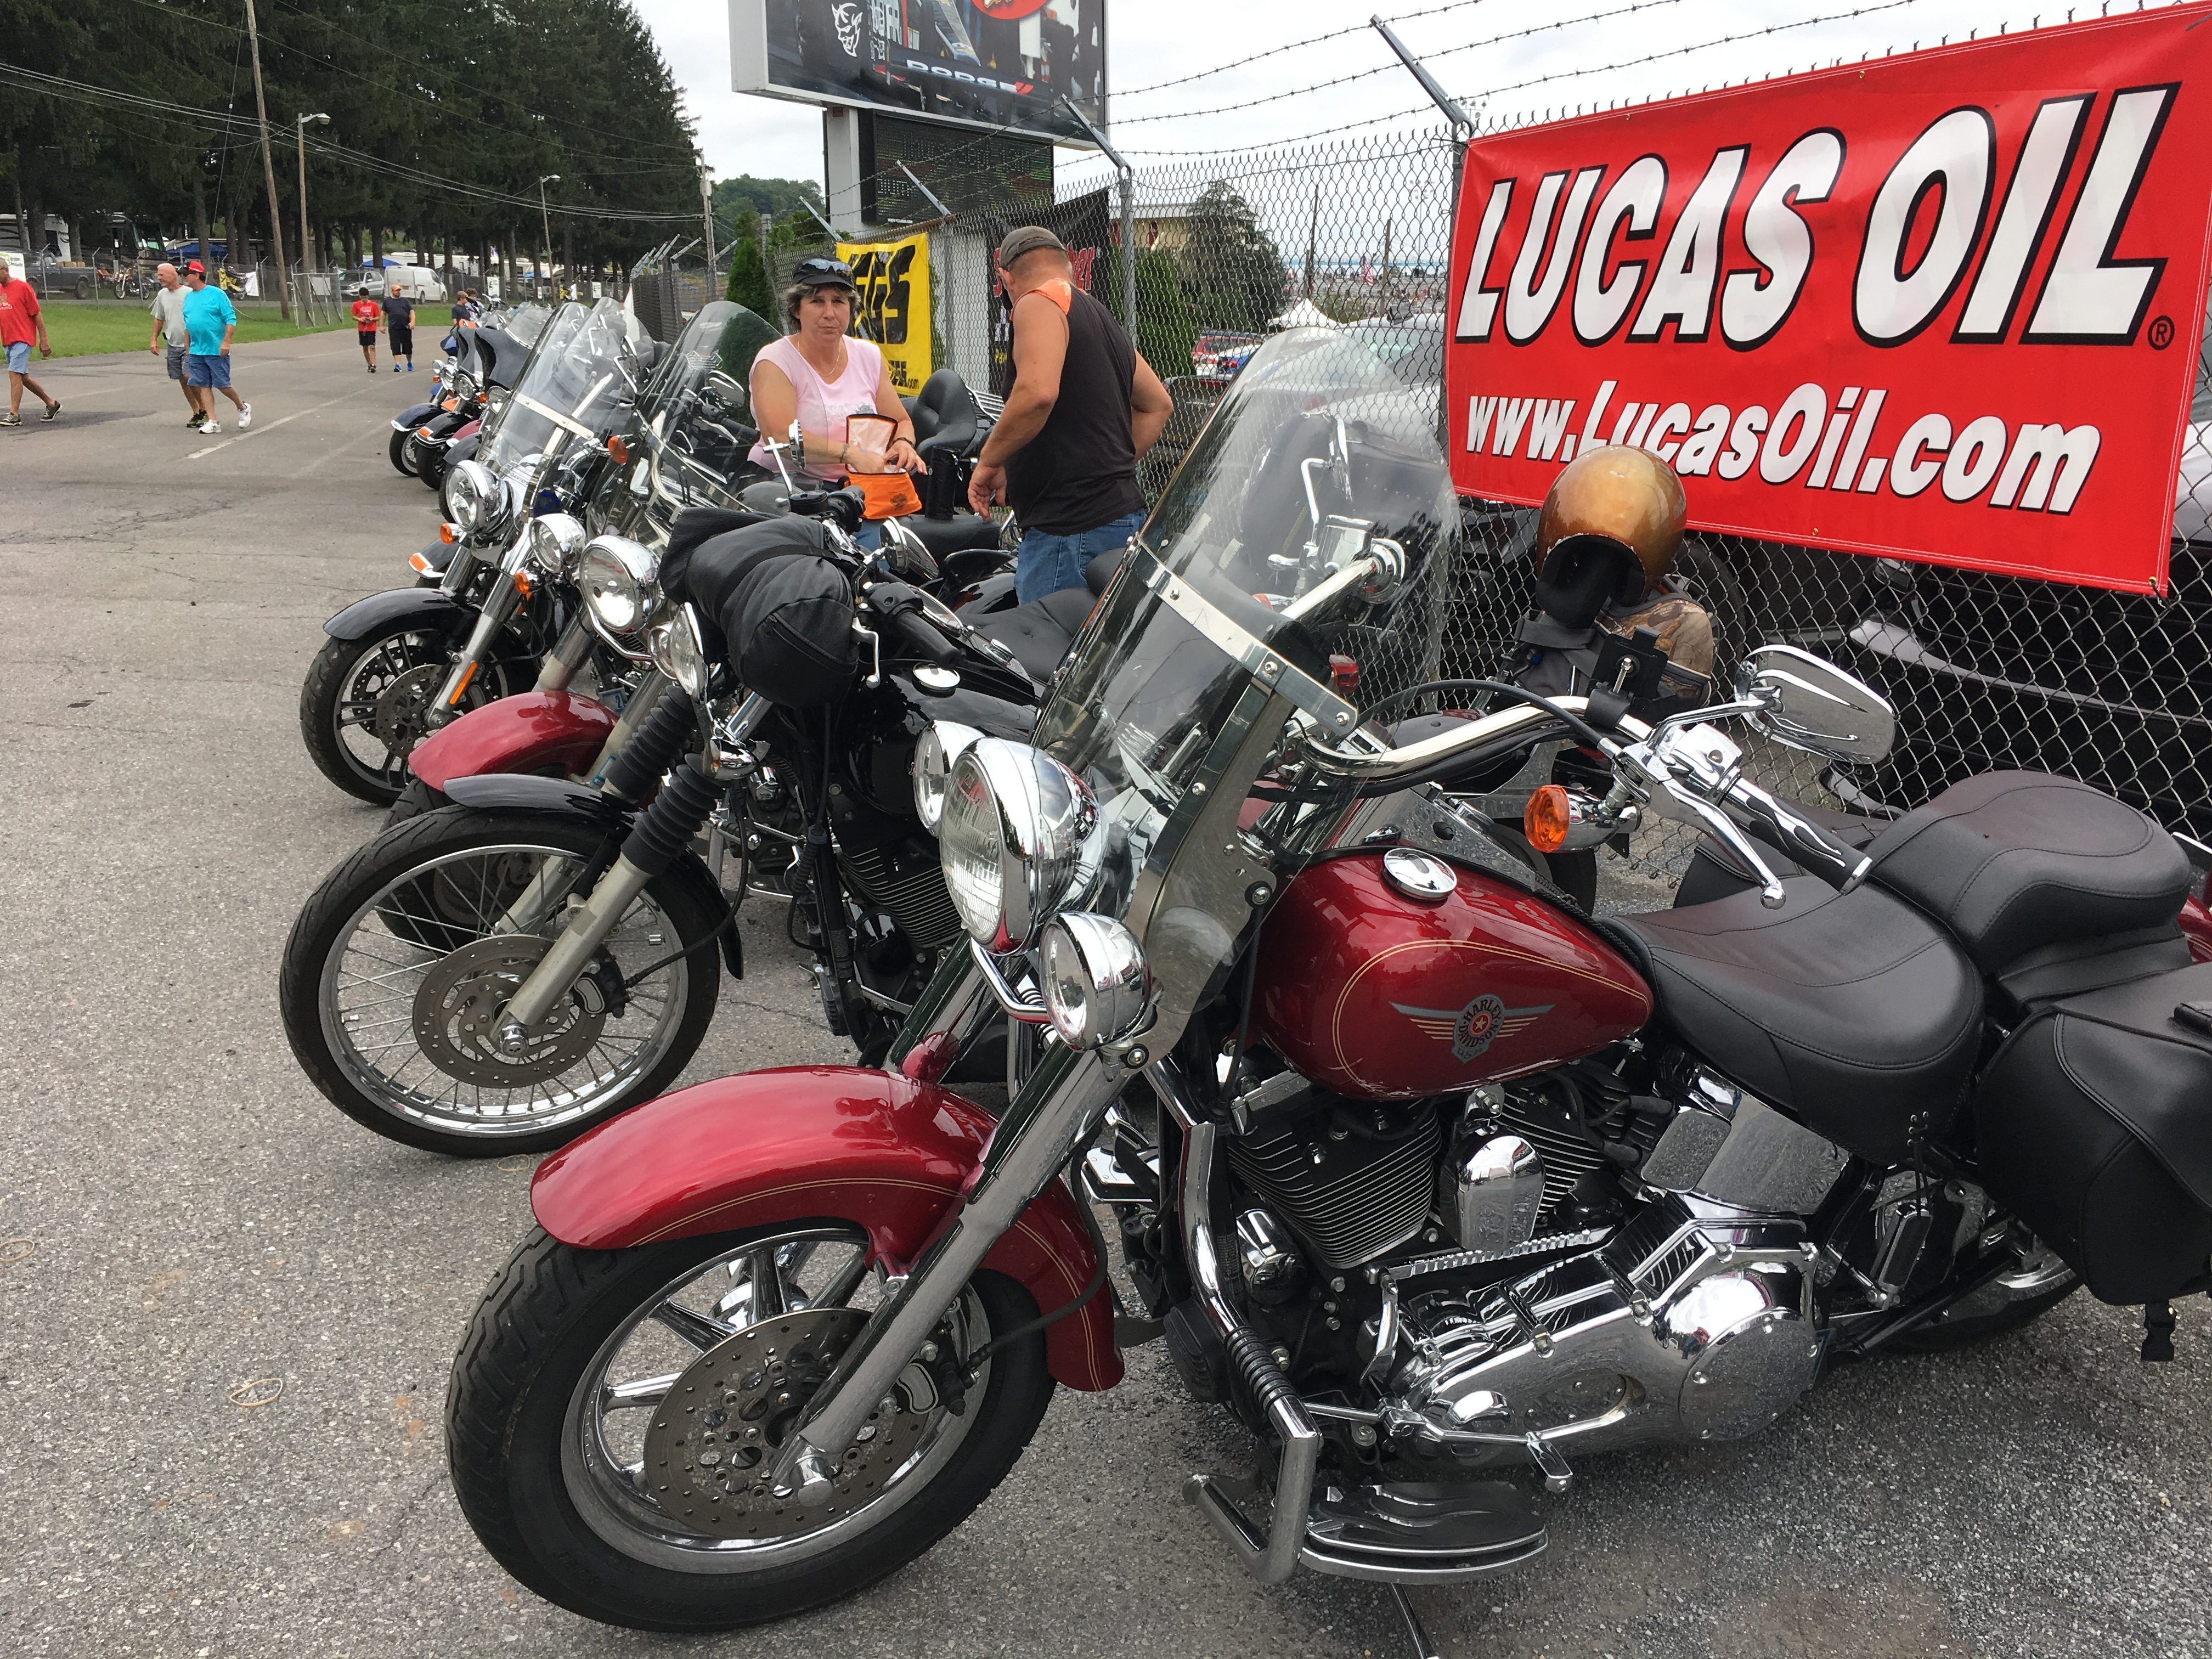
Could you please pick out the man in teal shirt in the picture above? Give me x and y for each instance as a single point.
(210, 320)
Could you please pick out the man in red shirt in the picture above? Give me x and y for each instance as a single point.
(21, 325)
(366, 312)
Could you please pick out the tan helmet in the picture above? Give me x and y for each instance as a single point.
(1628, 497)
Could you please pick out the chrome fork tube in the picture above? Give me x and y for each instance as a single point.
(1063, 1100)
(642, 702)
(587, 929)
(499, 606)
(955, 1003)
(568, 654)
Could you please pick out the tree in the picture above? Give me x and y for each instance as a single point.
(746, 194)
(1232, 273)
(748, 278)
(1166, 327)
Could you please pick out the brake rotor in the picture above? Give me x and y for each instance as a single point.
(461, 1003)
(714, 1439)
(401, 715)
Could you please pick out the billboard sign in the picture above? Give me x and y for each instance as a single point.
(1943, 306)
(978, 63)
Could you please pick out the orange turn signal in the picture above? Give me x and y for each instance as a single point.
(619, 450)
(1547, 819)
(522, 583)
(446, 534)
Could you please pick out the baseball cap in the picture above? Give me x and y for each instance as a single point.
(1026, 238)
(821, 273)
(194, 267)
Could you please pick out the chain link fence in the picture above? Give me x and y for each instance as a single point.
(1987, 671)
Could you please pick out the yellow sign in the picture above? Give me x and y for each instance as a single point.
(894, 283)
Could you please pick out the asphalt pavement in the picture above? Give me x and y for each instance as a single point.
(227, 1313)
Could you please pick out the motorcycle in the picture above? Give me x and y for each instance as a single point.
(472, 384)
(691, 433)
(399, 664)
(577, 917)
(1425, 1177)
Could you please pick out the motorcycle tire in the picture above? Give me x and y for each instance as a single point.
(430, 463)
(378, 876)
(332, 702)
(397, 451)
(416, 799)
(530, 1356)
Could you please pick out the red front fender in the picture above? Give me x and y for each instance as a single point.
(531, 732)
(808, 1142)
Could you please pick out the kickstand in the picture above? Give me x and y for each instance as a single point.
(1423, 1648)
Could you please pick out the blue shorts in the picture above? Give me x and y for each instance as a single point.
(1046, 564)
(208, 372)
(176, 363)
(19, 357)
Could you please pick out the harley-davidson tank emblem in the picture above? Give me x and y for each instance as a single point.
(1472, 1029)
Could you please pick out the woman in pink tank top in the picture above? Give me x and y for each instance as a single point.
(817, 375)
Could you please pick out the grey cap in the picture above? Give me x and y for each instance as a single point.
(1025, 239)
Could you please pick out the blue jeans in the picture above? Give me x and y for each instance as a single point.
(1045, 564)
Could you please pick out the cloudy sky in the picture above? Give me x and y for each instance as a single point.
(1569, 61)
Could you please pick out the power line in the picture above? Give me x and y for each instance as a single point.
(82, 92)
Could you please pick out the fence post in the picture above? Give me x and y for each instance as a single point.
(1127, 178)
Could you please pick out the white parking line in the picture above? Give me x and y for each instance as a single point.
(256, 431)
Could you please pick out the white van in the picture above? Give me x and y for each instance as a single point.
(420, 283)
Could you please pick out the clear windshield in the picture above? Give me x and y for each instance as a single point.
(699, 409)
(1316, 447)
(583, 375)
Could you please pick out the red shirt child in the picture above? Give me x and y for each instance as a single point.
(366, 311)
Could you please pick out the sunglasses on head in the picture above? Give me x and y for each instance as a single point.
(823, 271)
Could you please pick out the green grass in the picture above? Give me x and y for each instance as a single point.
(81, 328)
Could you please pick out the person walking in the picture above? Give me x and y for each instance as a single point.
(817, 376)
(366, 313)
(399, 328)
(172, 336)
(21, 326)
(1085, 407)
(211, 323)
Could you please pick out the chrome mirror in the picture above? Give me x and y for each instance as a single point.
(1806, 704)
(1339, 539)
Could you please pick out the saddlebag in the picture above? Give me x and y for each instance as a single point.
(2093, 1125)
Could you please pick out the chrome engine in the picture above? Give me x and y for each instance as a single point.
(1695, 1322)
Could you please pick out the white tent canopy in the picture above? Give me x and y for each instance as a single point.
(1304, 315)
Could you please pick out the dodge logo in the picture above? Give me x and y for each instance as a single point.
(1472, 1029)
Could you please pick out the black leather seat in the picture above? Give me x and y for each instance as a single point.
(943, 415)
(1039, 632)
(1851, 1010)
(2013, 862)
(943, 537)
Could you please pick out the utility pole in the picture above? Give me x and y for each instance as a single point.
(707, 207)
(300, 126)
(545, 220)
(269, 170)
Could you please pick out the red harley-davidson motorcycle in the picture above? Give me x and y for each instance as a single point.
(1438, 1185)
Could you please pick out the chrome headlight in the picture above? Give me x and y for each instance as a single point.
(475, 499)
(678, 653)
(557, 542)
(1011, 840)
(620, 581)
(943, 743)
(1096, 985)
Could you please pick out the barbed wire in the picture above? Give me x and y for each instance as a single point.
(1293, 45)
(1385, 68)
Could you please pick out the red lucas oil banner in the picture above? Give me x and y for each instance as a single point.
(1944, 306)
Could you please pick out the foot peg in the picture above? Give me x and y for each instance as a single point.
(1557, 1477)
(1419, 1532)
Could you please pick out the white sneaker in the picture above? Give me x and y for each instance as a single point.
(209, 429)
(245, 417)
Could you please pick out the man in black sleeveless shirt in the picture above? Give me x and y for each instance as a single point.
(1085, 406)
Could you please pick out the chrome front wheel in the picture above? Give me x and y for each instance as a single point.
(399, 970)
(613, 1417)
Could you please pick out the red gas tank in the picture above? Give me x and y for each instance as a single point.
(1373, 993)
